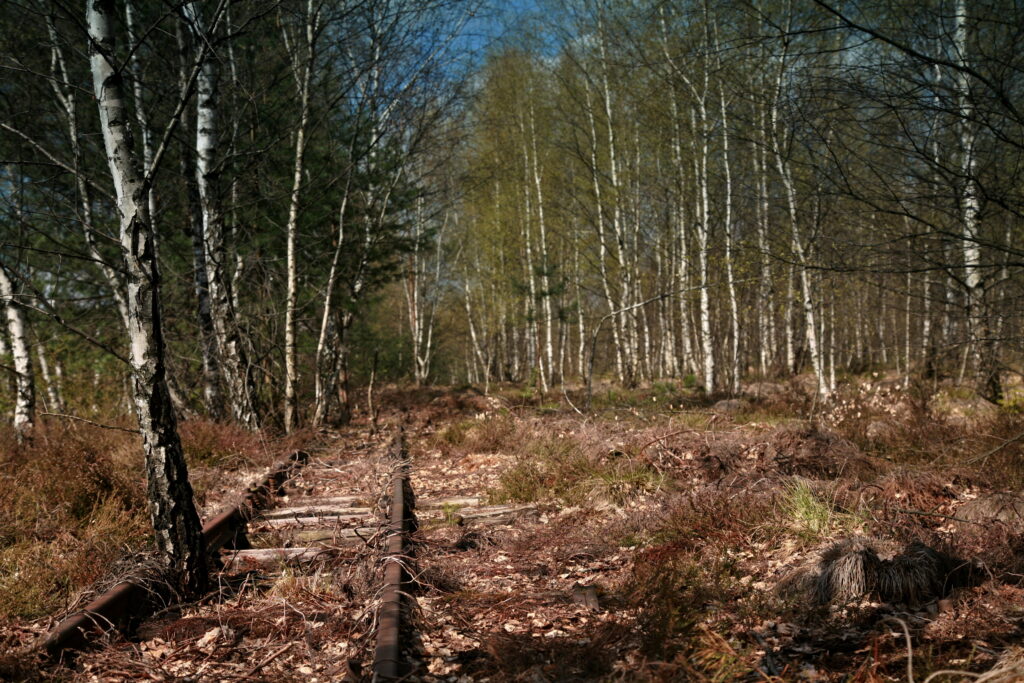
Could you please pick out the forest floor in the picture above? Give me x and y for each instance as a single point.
(663, 536)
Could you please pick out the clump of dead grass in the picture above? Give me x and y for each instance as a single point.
(676, 593)
(709, 516)
(488, 434)
(72, 502)
(861, 567)
(574, 469)
(230, 446)
(812, 451)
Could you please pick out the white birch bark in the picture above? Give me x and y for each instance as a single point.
(700, 140)
(687, 362)
(140, 111)
(50, 381)
(322, 389)
(799, 248)
(766, 299)
(833, 345)
(789, 323)
(212, 398)
(734, 315)
(581, 345)
(421, 295)
(545, 278)
(981, 340)
(907, 327)
(534, 359)
(172, 511)
(478, 349)
(303, 71)
(628, 355)
(17, 331)
(606, 286)
(233, 361)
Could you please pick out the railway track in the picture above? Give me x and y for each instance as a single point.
(308, 519)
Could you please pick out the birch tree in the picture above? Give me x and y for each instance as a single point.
(303, 60)
(172, 511)
(209, 165)
(983, 351)
(17, 331)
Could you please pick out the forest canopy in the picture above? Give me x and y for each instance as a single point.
(419, 191)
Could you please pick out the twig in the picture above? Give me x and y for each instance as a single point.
(662, 438)
(568, 400)
(985, 456)
(271, 657)
(90, 422)
(922, 513)
(910, 646)
(952, 672)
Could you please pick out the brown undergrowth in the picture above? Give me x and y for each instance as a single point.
(767, 536)
(73, 507)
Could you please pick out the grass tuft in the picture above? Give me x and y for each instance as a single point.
(809, 516)
(549, 466)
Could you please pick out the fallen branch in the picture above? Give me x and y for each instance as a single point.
(271, 657)
(922, 513)
(662, 438)
(90, 422)
(985, 456)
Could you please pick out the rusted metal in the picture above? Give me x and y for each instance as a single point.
(115, 609)
(128, 602)
(387, 657)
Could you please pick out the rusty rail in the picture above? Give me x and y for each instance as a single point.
(387, 656)
(129, 601)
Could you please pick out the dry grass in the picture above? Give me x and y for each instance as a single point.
(873, 482)
(550, 466)
(687, 517)
(73, 504)
(60, 533)
(859, 567)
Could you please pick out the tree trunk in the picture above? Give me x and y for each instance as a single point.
(700, 141)
(610, 300)
(50, 380)
(17, 330)
(766, 299)
(212, 399)
(800, 250)
(233, 361)
(978, 316)
(545, 276)
(290, 348)
(534, 359)
(140, 110)
(172, 511)
(734, 315)
(323, 388)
